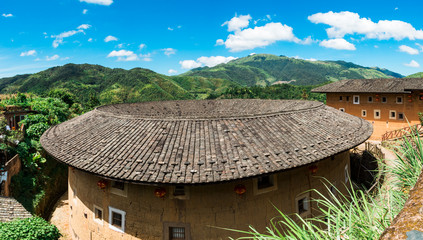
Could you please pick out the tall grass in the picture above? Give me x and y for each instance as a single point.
(357, 214)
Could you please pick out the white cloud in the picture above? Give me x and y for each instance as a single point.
(214, 60)
(123, 55)
(338, 43)
(237, 23)
(307, 41)
(188, 64)
(65, 58)
(142, 45)
(90, 39)
(146, 57)
(28, 53)
(110, 38)
(342, 23)
(59, 38)
(169, 51)
(84, 11)
(84, 26)
(100, 2)
(172, 71)
(409, 50)
(120, 45)
(220, 42)
(420, 46)
(251, 38)
(413, 64)
(52, 58)
(169, 28)
(7, 15)
(205, 61)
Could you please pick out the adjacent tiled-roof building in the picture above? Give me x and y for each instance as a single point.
(389, 104)
(10, 209)
(380, 85)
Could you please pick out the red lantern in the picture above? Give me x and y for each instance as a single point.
(102, 184)
(313, 169)
(160, 192)
(240, 189)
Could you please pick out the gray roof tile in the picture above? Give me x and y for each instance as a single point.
(192, 142)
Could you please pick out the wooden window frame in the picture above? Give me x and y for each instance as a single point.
(121, 212)
(358, 97)
(168, 225)
(342, 109)
(98, 220)
(117, 191)
(370, 99)
(398, 115)
(386, 99)
(390, 114)
(364, 113)
(305, 196)
(399, 97)
(274, 187)
(374, 113)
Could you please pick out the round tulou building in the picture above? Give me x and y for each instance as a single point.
(182, 169)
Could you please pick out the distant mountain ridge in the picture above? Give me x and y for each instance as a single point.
(114, 85)
(267, 69)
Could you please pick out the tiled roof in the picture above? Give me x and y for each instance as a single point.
(10, 209)
(190, 142)
(380, 85)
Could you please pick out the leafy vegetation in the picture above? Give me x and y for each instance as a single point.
(34, 228)
(266, 69)
(416, 75)
(38, 174)
(359, 214)
(278, 91)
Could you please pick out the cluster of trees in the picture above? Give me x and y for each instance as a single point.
(278, 91)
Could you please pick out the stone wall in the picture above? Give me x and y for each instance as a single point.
(209, 206)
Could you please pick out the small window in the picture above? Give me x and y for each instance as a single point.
(392, 114)
(377, 114)
(370, 99)
(177, 233)
(399, 100)
(384, 100)
(265, 184)
(356, 99)
(363, 113)
(180, 192)
(98, 214)
(117, 219)
(348, 98)
(346, 173)
(118, 185)
(340, 98)
(119, 188)
(400, 116)
(302, 203)
(342, 109)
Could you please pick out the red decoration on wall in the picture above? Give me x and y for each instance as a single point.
(410, 100)
(313, 169)
(160, 192)
(102, 184)
(240, 189)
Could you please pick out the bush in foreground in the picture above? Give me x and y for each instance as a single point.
(34, 228)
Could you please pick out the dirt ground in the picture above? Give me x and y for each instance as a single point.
(60, 217)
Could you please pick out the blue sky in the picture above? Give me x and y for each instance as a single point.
(170, 37)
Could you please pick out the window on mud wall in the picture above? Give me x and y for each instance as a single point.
(302, 203)
(377, 114)
(119, 188)
(98, 214)
(117, 219)
(176, 231)
(342, 109)
(356, 99)
(363, 113)
(400, 116)
(265, 184)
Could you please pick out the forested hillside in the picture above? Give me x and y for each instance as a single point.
(267, 69)
(108, 85)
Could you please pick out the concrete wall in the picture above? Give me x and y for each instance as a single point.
(147, 216)
(384, 123)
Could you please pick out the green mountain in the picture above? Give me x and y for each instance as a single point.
(114, 85)
(267, 69)
(416, 75)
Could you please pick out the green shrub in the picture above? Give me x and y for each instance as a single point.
(34, 228)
